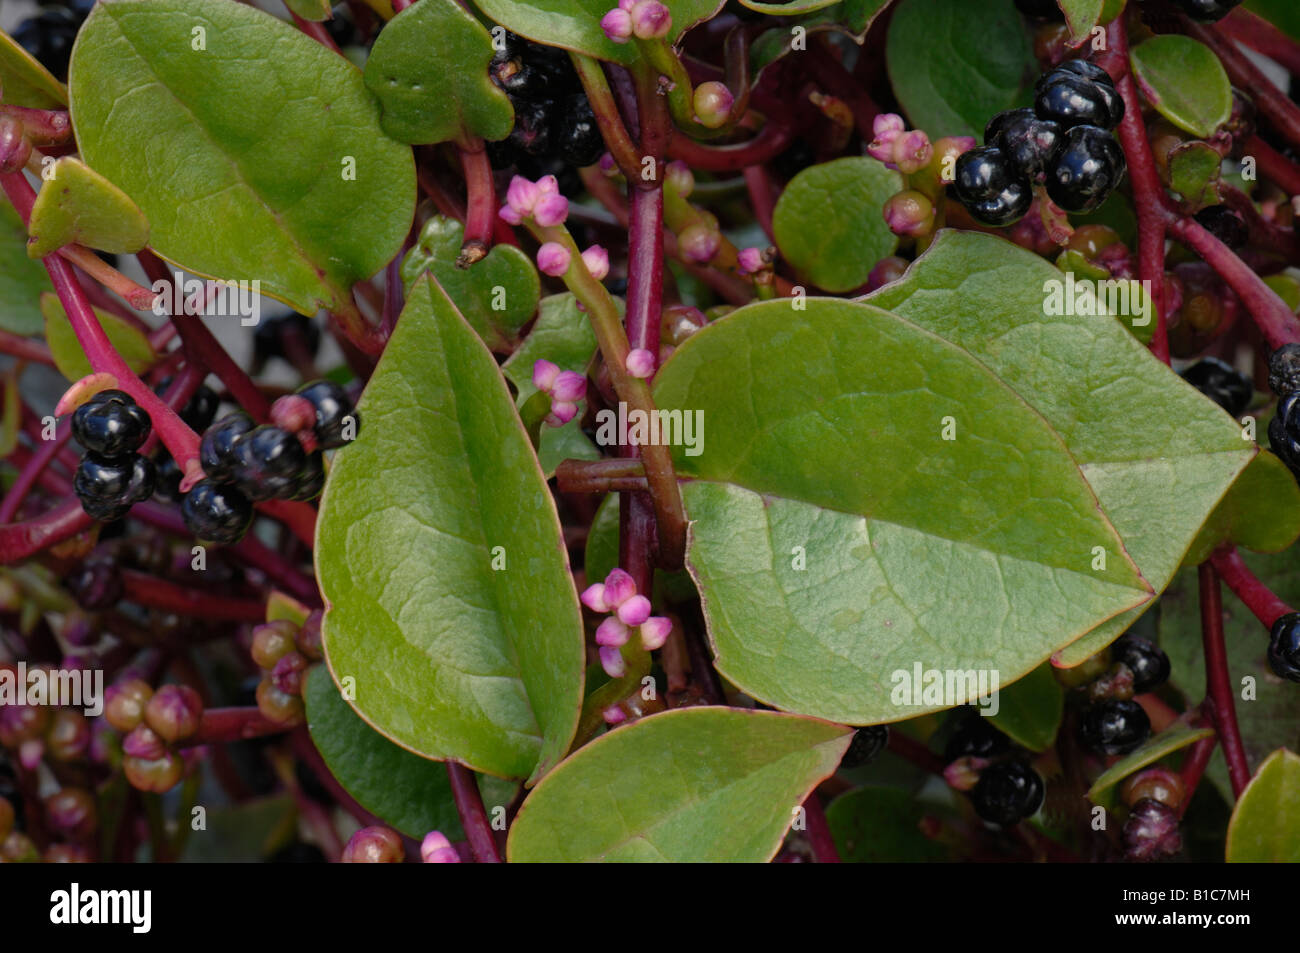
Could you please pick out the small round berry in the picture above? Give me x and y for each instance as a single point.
(1088, 168)
(156, 775)
(109, 486)
(1284, 647)
(1207, 11)
(909, 213)
(280, 707)
(1007, 793)
(22, 723)
(1088, 70)
(1149, 665)
(143, 742)
(1285, 444)
(712, 103)
(71, 812)
(1224, 224)
(200, 410)
(1071, 95)
(1157, 784)
(1031, 144)
(124, 703)
(1091, 240)
(1116, 726)
(374, 845)
(272, 641)
(1151, 832)
(289, 673)
(991, 189)
(579, 138)
(217, 450)
(337, 421)
(275, 337)
(867, 743)
(174, 712)
(219, 514)
(268, 463)
(48, 37)
(1222, 383)
(111, 424)
(312, 479)
(309, 636)
(69, 735)
(1284, 370)
(18, 848)
(96, 584)
(976, 737)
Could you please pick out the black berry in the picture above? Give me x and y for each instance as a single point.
(111, 424)
(1149, 665)
(268, 463)
(1088, 168)
(108, 486)
(1284, 370)
(1074, 95)
(276, 337)
(217, 450)
(579, 136)
(1224, 224)
(867, 743)
(976, 737)
(1029, 143)
(220, 514)
(96, 583)
(1151, 832)
(993, 191)
(1284, 647)
(1007, 793)
(311, 480)
(1285, 445)
(201, 409)
(1207, 11)
(1222, 383)
(1114, 726)
(334, 411)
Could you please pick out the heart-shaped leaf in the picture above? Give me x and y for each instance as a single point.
(875, 825)
(440, 556)
(1029, 712)
(1156, 484)
(575, 24)
(1261, 512)
(953, 64)
(276, 171)
(829, 222)
(25, 82)
(497, 296)
(71, 360)
(1184, 81)
(1081, 16)
(429, 70)
(1265, 825)
(1152, 750)
(825, 560)
(77, 204)
(1195, 173)
(691, 785)
(21, 280)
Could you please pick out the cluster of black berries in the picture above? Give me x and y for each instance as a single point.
(1222, 383)
(244, 463)
(49, 35)
(553, 119)
(112, 476)
(1113, 723)
(1008, 789)
(1063, 142)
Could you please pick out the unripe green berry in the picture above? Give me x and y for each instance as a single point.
(712, 103)
(374, 845)
(125, 703)
(157, 775)
(272, 641)
(18, 848)
(174, 712)
(1158, 784)
(69, 735)
(72, 813)
(280, 707)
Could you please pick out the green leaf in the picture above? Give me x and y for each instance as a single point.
(497, 296)
(24, 81)
(21, 280)
(1261, 512)
(1265, 825)
(876, 825)
(575, 24)
(429, 70)
(259, 157)
(1271, 719)
(601, 554)
(317, 11)
(830, 224)
(1156, 484)
(411, 793)
(824, 448)
(1184, 81)
(1081, 16)
(692, 785)
(852, 17)
(953, 64)
(1152, 750)
(77, 204)
(1195, 174)
(791, 8)
(1029, 712)
(243, 833)
(453, 659)
(71, 360)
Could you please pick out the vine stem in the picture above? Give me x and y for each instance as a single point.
(1148, 192)
(1275, 166)
(819, 832)
(1217, 679)
(612, 129)
(1245, 27)
(770, 141)
(25, 349)
(1271, 101)
(1246, 586)
(219, 725)
(27, 477)
(480, 203)
(316, 31)
(1194, 768)
(154, 593)
(473, 816)
(20, 540)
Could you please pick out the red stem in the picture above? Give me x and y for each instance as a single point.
(1194, 767)
(25, 349)
(219, 725)
(773, 139)
(1274, 166)
(154, 593)
(481, 196)
(20, 540)
(1245, 585)
(316, 31)
(1245, 27)
(27, 477)
(1218, 681)
(819, 832)
(762, 196)
(473, 816)
(1269, 100)
(914, 751)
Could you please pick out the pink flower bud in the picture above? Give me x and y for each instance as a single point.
(614, 715)
(611, 660)
(143, 742)
(617, 24)
(374, 845)
(553, 259)
(651, 20)
(640, 362)
(523, 195)
(678, 175)
(887, 125)
(751, 260)
(712, 104)
(699, 242)
(611, 632)
(597, 261)
(635, 611)
(619, 587)
(909, 213)
(549, 185)
(607, 165)
(562, 411)
(544, 375)
(593, 597)
(436, 849)
(912, 151)
(511, 215)
(551, 209)
(655, 631)
(30, 753)
(569, 386)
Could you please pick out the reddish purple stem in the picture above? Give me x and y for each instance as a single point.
(1218, 680)
(473, 816)
(1245, 585)
(819, 832)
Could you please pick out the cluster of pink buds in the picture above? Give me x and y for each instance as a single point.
(643, 19)
(541, 201)
(436, 849)
(897, 148)
(565, 388)
(554, 259)
(628, 610)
